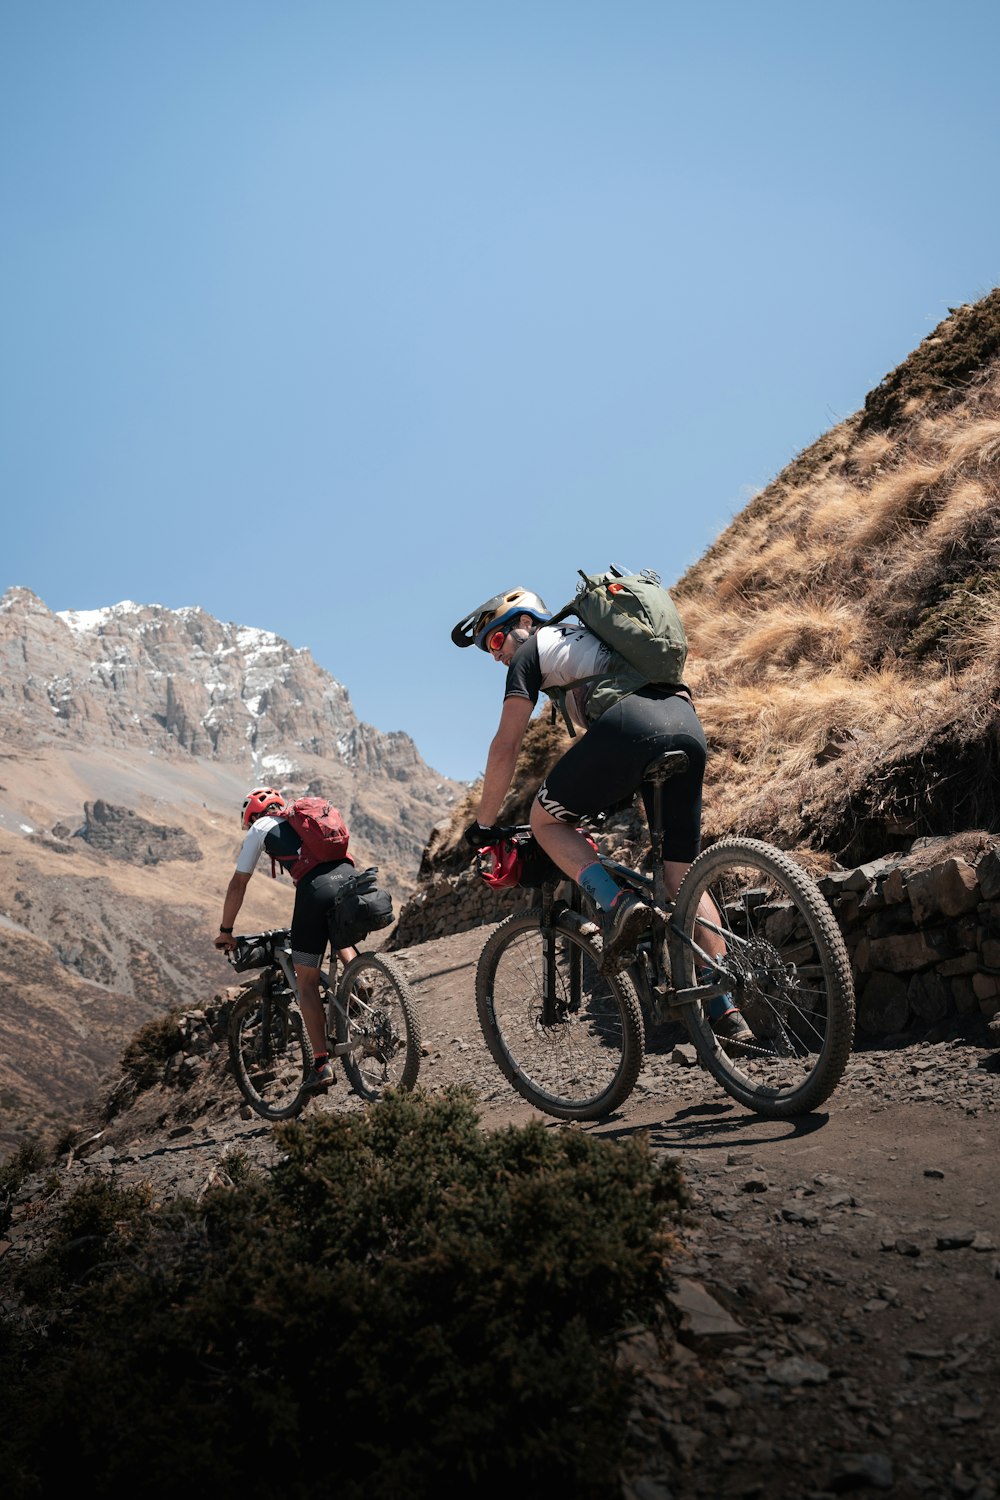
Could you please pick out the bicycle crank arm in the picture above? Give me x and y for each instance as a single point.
(700, 993)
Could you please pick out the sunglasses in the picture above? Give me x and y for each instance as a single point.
(496, 640)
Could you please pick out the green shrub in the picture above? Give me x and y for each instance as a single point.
(407, 1305)
(29, 1156)
(100, 1225)
(151, 1049)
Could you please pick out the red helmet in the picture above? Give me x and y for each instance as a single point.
(258, 801)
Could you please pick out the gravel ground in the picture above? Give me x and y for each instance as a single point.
(836, 1314)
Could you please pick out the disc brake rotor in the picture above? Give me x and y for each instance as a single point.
(765, 990)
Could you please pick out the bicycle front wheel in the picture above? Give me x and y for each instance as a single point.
(270, 1053)
(568, 1039)
(375, 1016)
(790, 973)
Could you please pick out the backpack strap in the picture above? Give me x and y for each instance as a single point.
(558, 698)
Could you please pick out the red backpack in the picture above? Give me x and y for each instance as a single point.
(321, 831)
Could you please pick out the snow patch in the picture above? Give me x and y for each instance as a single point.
(84, 621)
(277, 765)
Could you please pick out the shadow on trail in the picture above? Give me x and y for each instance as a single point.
(719, 1127)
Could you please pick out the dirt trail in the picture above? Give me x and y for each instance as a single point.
(839, 1286)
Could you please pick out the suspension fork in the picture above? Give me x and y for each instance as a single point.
(266, 1007)
(550, 956)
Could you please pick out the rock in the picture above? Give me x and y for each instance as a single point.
(928, 996)
(857, 1471)
(956, 1237)
(723, 1399)
(756, 1183)
(797, 1370)
(703, 1321)
(121, 833)
(884, 1004)
(945, 890)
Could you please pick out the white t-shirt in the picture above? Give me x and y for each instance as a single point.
(553, 656)
(253, 845)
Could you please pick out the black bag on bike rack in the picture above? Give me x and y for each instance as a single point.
(360, 908)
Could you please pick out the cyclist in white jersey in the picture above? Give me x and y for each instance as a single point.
(603, 766)
(316, 893)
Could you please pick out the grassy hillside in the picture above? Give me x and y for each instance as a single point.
(845, 628)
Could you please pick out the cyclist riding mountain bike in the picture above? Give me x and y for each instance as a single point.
(316, 893)
(603, 766)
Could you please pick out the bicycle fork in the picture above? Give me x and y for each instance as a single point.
(552, 1009)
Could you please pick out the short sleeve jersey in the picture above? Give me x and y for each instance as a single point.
(273, 834)
(554, 656)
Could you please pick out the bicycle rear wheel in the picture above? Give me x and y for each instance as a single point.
(377, 1010)
(790, 972)
(270, 1053)
(568, 1039)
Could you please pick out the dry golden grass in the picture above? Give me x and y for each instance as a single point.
(975, 445)
(850, 612)
(959, 515)
(790, 723)
(966, 509)
(868, 455)
(895, 501)
(982, 639)
(786, 640)
(836, 510)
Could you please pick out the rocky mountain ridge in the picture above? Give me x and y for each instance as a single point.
(179, 680)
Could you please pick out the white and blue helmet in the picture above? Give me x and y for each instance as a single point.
(475, 627)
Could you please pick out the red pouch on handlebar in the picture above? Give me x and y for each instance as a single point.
(500, 865)
(520, 861)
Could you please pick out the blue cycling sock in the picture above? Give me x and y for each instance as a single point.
(599, 886)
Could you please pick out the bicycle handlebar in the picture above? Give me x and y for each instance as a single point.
(257, 951)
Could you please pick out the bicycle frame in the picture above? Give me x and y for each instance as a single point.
(652, 973)
(281, 958)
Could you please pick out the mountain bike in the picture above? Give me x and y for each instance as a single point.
(371, 1022)
(747, 922)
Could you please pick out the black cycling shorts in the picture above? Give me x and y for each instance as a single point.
(315, 896)
(606, 766)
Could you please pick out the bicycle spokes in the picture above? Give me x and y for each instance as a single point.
(568, 1038)
(270, 1053)
(376, 1026)
(771, 938)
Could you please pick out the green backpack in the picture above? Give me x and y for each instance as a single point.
(633, 614)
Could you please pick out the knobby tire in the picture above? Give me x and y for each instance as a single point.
(573, 1051)
(380, 1012)
(270, 1054)
(791, 977)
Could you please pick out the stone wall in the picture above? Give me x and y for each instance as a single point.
(454, 903)
(922, 928)
(923, 932)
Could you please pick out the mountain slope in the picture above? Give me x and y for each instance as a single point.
(844, 630)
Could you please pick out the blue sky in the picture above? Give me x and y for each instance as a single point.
(336, 318)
